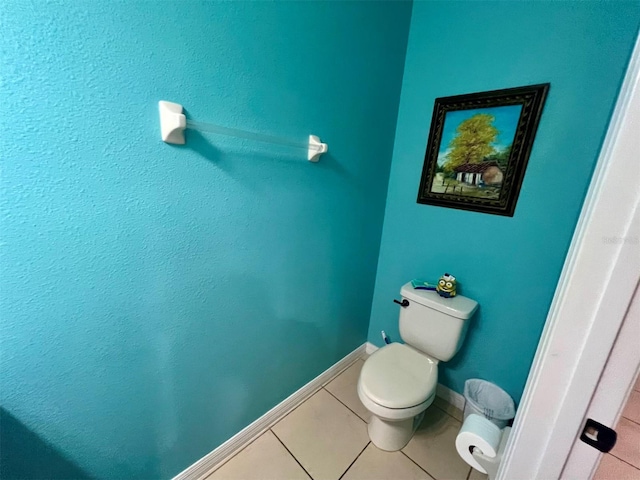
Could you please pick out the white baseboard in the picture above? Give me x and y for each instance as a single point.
(209, 462)
(454, 398)
(370, 348)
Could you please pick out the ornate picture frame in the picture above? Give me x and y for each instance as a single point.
(478, 149)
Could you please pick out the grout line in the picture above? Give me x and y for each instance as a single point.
(222, 463)
(354, 460)
(292, 455)
(442, 409)
(416, 464)
(424, 470)
(295, 408)
(345, 405)
(624, 461)
(631, 420)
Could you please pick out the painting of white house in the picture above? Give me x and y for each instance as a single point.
(474, 151)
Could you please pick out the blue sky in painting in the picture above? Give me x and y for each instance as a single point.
(506, 121)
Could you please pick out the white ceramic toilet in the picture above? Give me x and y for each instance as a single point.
(398, 381)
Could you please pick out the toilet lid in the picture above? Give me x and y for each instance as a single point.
(396, 376)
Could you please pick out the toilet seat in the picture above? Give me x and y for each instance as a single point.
(393, 414)
(398, 377)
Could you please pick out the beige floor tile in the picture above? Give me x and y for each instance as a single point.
(433, 447)
(637, 385)
(323, 435)
(476, 475)
(264, 459)
(611, 468)
(345, 388)
(632, 408)
(375, 464)
(447, 407)
(628, 440)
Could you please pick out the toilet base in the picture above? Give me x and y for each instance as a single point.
(392, 436)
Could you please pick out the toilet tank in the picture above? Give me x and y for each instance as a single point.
(433, 324)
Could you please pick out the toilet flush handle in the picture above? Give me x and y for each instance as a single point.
(403, 303)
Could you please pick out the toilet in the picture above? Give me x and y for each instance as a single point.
(398, 382)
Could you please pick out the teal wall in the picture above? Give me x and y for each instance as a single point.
(156, 299)
(509, 265)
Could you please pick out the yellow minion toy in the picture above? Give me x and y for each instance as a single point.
(446, 286)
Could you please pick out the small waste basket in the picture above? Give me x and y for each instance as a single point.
(488, 400)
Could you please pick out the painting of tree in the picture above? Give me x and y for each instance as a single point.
(474, 141)
(478, 149)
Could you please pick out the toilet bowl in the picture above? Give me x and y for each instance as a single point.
(397, 384)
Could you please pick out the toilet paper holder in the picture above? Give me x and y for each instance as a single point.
(491, 464)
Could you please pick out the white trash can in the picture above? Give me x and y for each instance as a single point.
(488, 400)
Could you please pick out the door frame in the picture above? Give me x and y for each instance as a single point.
(595, 289)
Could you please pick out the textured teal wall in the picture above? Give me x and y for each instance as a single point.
(156, 299)
(509, 265)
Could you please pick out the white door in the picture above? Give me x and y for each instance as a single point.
(592, 299)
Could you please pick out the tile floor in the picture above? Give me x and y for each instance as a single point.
(325, 438)
(623, 462)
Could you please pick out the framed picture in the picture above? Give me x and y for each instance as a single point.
(478, 149)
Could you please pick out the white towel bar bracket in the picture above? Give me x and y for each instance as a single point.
(173, 124)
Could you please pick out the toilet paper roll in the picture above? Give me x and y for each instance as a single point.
(477, 432)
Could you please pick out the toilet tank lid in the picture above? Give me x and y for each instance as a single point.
(458, 306)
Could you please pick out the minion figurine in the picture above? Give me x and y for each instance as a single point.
(446, 286)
